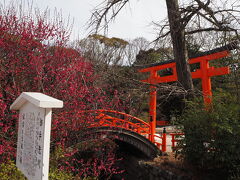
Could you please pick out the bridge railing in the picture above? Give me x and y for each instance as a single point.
(112, 118)
(162, 144)
(176, 137)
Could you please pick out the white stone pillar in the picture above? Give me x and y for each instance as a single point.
(34, 128)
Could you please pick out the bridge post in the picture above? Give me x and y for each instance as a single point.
(164, 140)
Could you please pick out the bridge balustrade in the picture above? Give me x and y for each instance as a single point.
(176, 138)
(111, 118)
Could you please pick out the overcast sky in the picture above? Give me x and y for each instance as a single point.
(132, 22)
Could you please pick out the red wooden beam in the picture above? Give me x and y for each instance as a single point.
(209, 57)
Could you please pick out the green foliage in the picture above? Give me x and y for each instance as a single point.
(212, 137)
(150, 56)
(56, 174)
(9, 171)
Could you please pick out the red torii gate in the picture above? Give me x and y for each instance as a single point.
(205, 72)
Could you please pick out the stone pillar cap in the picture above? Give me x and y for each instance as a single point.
(38, 99)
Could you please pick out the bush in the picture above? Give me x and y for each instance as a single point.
(212, 137)
(56, 174)
(92, 158)
(9, 171)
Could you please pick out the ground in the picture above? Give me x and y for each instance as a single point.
(176, 165)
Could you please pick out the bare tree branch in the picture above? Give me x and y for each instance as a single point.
(100, 19)
(209, 29)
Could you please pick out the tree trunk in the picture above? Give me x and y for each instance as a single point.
(179, 45)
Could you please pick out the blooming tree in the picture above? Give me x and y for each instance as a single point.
(34, 57)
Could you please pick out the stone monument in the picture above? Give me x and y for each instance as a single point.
(34, 127)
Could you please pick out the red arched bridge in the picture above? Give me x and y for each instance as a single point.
(140, 134)
(125, 128)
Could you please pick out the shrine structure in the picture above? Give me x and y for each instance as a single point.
(205, 72)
